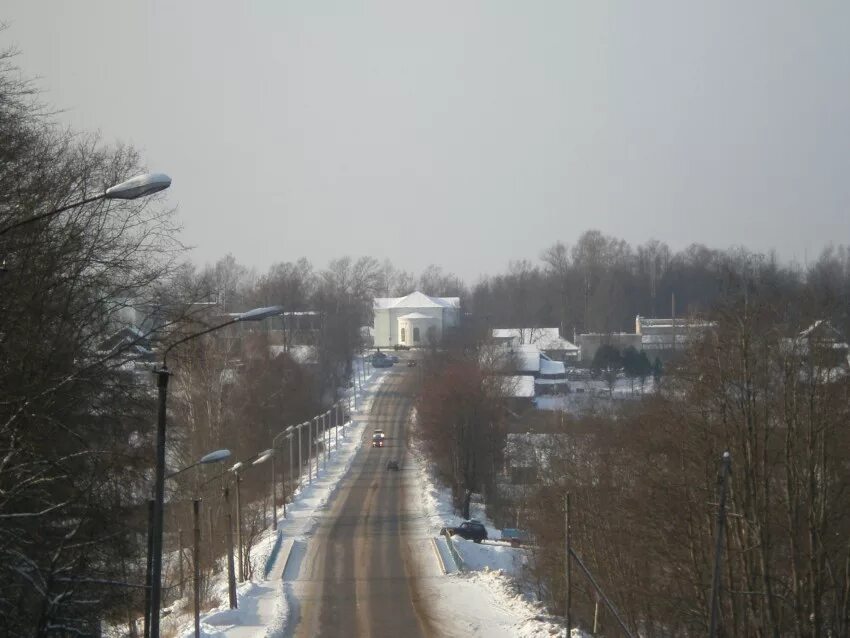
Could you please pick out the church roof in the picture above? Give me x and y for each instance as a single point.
(414, 315)
(416, 300)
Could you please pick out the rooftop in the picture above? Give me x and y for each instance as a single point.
(543, 338)
(415, 300)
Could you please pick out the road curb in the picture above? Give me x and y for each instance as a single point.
(461, 566)
(270, 561)
(439, 556)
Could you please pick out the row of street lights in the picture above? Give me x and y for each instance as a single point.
(162, 375)
(134, 188)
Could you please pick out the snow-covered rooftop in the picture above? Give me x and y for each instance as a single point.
(551, 368)
(415, 315)
(415, 300)
(543, 338)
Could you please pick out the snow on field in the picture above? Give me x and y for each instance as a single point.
(591, 395)
(486, 600)
(262, 604)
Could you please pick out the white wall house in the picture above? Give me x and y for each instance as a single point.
(413, 320)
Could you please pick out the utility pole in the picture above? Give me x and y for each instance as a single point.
(316, 446)
(274, 493)
(568, 563)
(310, 451)
(291, 483)
(725, 469)
(325, 434)
(231, 575)
(239, 527)
(196, 562)
(148, 571)
(336, 426)
(300, 461)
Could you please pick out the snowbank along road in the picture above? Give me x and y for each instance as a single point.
(356, 576)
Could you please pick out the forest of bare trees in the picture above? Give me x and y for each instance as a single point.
(72, 461)
(601, 283)
(769, 385)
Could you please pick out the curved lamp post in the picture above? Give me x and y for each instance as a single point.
(211, 457)
(133, 188)
(257, 459)
(206, 459)
(162, 375)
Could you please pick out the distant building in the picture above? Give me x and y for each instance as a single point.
(661, 338)
(526, 360)
(548, 340)
(822, 346)
(414, 320)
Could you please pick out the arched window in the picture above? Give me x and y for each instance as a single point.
(416, 335)
(402, 335)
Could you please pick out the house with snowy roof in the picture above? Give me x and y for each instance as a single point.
(414, 320)
(526, 360)
(548, 340)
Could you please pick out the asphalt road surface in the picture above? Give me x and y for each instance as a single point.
(356, 578)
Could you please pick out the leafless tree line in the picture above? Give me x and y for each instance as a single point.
(73, 422)
(601, 282)
(644, 489)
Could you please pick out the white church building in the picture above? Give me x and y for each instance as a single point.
(414, 320)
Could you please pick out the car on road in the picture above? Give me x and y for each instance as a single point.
(411, 363)
(392, 465)
(471, 530)
(393, 358)
(377, 442)
(378, 438)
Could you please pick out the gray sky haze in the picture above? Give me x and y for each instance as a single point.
(464, 134)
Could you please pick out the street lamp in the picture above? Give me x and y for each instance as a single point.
(288, 434)
(206, 459)
(139, 186)
(162, 375)
(257, 459)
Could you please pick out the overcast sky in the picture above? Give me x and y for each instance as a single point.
(464, 133)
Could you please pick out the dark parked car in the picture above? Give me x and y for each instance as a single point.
(392, 465)
(470, 530)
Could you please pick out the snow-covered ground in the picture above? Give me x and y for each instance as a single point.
(485, 600)
(591, 395)
(262, 602)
